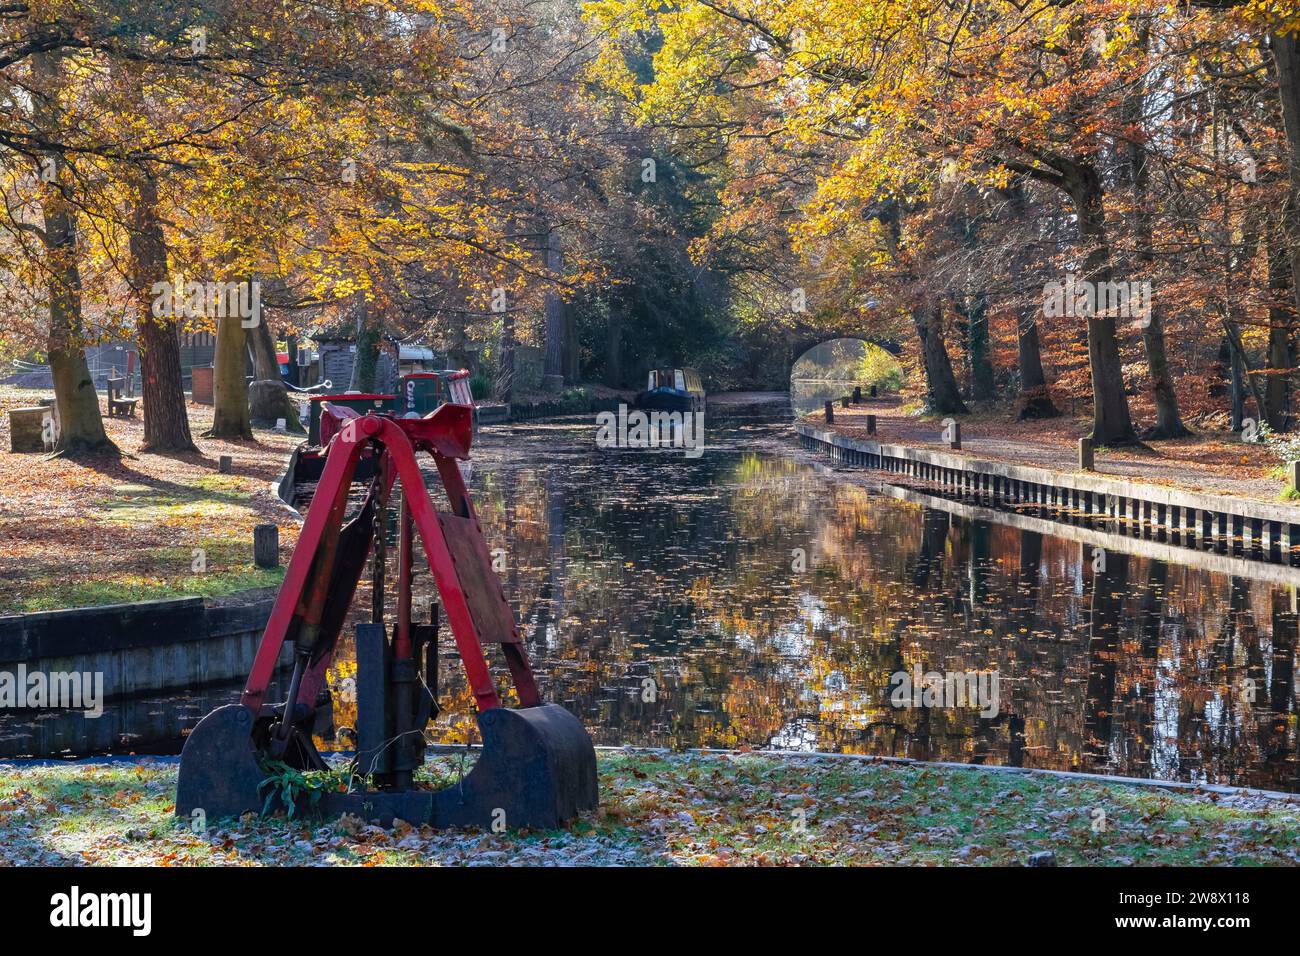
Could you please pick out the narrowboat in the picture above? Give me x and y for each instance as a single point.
(672, 390)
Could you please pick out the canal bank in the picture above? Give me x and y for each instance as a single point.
(1244, 527)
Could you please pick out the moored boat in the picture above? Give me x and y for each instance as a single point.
(672, 390)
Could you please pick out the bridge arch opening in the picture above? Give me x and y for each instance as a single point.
(831, 369)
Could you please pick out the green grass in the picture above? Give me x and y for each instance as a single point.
(678, 810)
(135, 542)
(127, 588)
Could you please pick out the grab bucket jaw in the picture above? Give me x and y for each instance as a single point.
(537, 769)
(219, 774)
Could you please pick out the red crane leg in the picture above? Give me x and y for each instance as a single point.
(316, 675)
(334, 483)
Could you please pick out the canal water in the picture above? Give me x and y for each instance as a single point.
(750, 598)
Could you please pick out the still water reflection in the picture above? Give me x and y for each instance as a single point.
(635, 565)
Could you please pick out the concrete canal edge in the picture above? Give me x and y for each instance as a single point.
(1212, 521)
(141, 647)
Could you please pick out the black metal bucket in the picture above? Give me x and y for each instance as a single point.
(537, 769)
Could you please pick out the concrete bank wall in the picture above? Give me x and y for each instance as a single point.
(1239, 526)
(140, 648)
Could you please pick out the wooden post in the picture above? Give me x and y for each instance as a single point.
(1086, 461)
(844, 401)
(857, 394)
(830, 413)
(266, 546)
(1295, 475)
(223, 464)
(952, 433)
(871, 424)
(873, 391)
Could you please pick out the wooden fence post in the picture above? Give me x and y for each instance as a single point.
(266, 546)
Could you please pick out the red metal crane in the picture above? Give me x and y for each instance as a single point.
(537, 767)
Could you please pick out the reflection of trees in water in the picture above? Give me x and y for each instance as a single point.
(1108, 591)
(631, 566)
(1281, 688)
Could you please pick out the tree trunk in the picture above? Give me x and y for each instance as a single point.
(1236, 388)
(1035, 400)
(553, 372)
(1111, 423)
(942, 394)
(274, 403)
(1243, 370)
(1286, 55)
(572, 349)
(162, 390)
(295, 372)
(1244, 377)
(1278, 387)
(261, 347)
(973, 305)
(977, 340)
(230, 417)
(505, 383)
(166, 420)
(81, 427)
(1280, 357)
(1169, 421)
(367, 355)
(614, 344)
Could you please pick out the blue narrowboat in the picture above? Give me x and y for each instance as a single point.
(672, 390)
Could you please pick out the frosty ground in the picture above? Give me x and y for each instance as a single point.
(677, 809)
